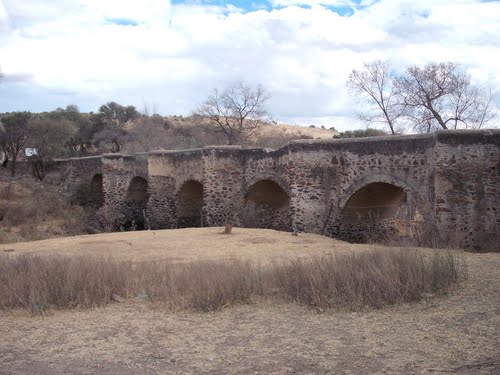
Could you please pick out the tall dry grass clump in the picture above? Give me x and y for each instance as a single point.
(368, 279)
(37, 283)
(200, 285)
(353, 281)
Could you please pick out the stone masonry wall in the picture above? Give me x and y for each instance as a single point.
(168, 171)
(265, 165)
(324, 175)
(450, 182)
(222, 183)
(80, 170)
(468, 189)
(118, 171)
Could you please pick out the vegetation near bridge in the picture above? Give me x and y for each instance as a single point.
(275, 283)
(323, 279)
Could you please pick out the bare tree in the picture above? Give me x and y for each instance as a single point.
(237, 110)
(429, 97)
(376, 86)
(441, 95)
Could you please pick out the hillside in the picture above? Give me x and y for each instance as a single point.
(294, 131)
(34, 210)
(195, 132)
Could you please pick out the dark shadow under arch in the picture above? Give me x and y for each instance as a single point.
(378, 212)
(379, 198)
(136, 200)
(96, 194)
(189, 205)
(266, 206)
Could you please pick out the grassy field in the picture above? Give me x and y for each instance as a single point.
(457, 333)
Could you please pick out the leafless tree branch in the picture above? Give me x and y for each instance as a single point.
(375, 84)
(430, 97)
(238, 110)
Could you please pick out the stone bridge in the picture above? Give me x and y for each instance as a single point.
(442, 186)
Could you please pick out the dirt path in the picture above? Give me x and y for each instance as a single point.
(455, 334)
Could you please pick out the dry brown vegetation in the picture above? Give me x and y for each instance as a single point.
(31, 210)
(370, 279)
(178, 132)
(455, 333)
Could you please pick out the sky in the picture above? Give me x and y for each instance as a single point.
(167, 56)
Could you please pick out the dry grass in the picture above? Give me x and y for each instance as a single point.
(293, 131)
(187, 245)
(30, 210)
(369, 279)
(453, 334)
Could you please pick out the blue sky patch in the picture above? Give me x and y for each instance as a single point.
(425, 14)
(342, 11)
(253, 5)
(122, 21)
(246, 5)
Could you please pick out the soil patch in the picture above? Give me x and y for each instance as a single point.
(457, 333)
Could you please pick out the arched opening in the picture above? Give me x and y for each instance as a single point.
(96, 195)
(375, 213)
(266, 206)
(135, 204)
(190, 205)
(379, 198)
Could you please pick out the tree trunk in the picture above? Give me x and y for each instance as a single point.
(13, 168)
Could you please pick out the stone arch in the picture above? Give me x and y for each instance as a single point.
(378, 198)
(375, 178)
(266, 205)
(278, 180)
(376, 209)
(189, 204)
(136, 200)
(96, 193)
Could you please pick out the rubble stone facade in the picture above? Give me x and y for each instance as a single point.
(443, 186)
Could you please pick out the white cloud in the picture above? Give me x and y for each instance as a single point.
(172, 56)
(4, 18)
(28, 12)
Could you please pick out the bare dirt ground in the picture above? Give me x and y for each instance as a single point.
(184, 245)
(458, 333)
